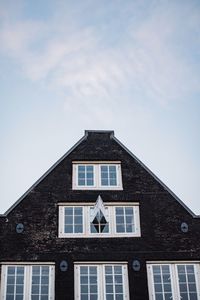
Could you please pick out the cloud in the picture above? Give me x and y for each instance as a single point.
(83, 62)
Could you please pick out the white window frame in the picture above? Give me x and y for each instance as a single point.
(97, 175)
(27, 278)
(112, 221)
(174, 277)
(101, 278)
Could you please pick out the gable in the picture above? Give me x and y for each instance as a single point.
(138, 181)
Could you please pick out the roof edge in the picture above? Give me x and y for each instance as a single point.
(112, 133)
(44, 175)
(157, 179)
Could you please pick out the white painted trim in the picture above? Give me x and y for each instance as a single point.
(88, 262)
(173, 276)
(93, 203)
(16, 263)
(163, 262)
(101, 285)
(27, 278)
(112, 222)
(97, 175)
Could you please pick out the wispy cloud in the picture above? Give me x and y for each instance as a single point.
(83, 61)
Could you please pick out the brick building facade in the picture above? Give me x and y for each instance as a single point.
(99, 225)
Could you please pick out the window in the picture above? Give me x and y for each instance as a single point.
(95, 175)
(108, 175)
(99, 220)
(101, 281)
(99, 223)
(28, 282)
(85, 175)
(73, 219)
(124, 219)
(174, 281)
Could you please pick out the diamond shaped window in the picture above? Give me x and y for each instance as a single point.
(99, 218)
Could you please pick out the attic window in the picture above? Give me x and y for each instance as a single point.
(97, 175)
(85, 175)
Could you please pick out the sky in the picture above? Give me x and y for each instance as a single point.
(132, 66)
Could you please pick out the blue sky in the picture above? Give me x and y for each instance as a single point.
(130, 66)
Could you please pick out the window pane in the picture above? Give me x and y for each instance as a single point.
(93, 297)
(10, 289)
(40, 286)
(187, 281)
(86, 175)
(193, 296)
(162, 282)
(109, 297)
(20, 270)
(78, 211)
(108, 176)
(81, 175)
(158, 287)
(15, 282)
(35, 275)
(88, 282)
(112, 175)
(108, 269)
(81, 182)
(114, 282)
(78, 229)
(68, 229)
(119, 297)
(81, 169)
(78, 220)
(11, 270)
(73, 220)
(99, 223)
(110, 278)
(159, 296)
(69, 220)
(104, 181)
(168, 296)
(112, 171)
(124, 218)
(120, 228)
(184, 296)
(68, 211)
(90, 169)
(113, 182)
(10, 279)
(84, 270)
(19, 297)
(35, 289)
(44, 297)
(90, 182)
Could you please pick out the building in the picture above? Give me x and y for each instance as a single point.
(99, 225)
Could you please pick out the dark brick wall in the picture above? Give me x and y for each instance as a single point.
(161, 216)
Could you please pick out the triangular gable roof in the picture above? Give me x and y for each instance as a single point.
(76, 145)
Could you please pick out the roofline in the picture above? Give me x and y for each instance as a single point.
(44, 175)
(53, 166)
(157, 179)
(100, 131)
(76, 145)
